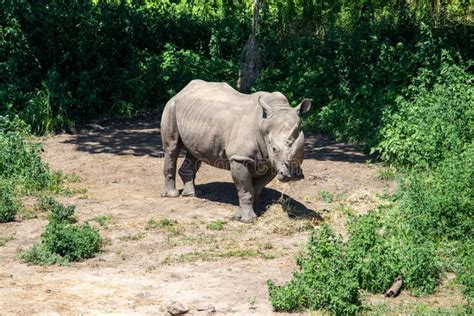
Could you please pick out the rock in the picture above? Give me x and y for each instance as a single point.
(206, 308)
(176, 308)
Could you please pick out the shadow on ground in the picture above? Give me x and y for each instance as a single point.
(225, 192)
(140, 136)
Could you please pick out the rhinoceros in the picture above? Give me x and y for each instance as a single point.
(255, 136)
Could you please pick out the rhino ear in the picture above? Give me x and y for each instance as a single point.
(267, 109)
(304, 106)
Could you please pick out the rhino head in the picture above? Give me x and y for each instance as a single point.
(283, 137)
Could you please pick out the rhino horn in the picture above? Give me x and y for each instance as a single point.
(292, 136)
(297, 147)
(299, 140)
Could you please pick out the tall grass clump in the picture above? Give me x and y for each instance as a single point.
(64, 240)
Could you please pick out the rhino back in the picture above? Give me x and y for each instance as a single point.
(217, 123)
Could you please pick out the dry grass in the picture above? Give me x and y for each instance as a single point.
(283, 219)
(5, 239)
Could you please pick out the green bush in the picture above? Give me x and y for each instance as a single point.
(20, 160)
(466, 269)
(67, 61)
(439, 203)
(434, 121)
(38, 254)
(21, 168)
(380, 249)
(324, 280)
(64, 238)
(9, 205)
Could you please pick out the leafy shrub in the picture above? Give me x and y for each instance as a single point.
(434, 121)
(9, 205)
(379, 252)
(40, 255)
(46, 204)
(72, 61)
(466, 270)
(179, 67)
(64, 238)
(439, 203)
(325, 280)
(19, 158)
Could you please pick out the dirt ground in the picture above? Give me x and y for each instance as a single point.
(160, 250)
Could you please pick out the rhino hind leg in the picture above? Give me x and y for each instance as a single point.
(170, 175)
(172, 144)
(187, 173)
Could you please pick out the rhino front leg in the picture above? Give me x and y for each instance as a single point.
(243, 182)
(187, 173)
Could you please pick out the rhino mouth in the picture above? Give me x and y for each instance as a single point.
(287, 175)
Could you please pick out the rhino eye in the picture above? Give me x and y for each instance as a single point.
(275, 149)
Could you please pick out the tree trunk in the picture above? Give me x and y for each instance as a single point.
(250, 60)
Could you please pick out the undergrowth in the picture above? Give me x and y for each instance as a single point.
(63, 240)
(22, 172)
(428, 229)
(9, 205)
(324, 279)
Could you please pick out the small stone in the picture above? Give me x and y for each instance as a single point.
(208, 308)
(176, 308)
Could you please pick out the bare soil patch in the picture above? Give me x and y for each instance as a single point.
(188, 250)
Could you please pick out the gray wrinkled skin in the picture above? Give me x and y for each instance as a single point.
(257, 137)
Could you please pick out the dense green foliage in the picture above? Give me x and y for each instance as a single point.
(440, 203)
(382, 247)
(20, 161)
(63, 240)
(8, 203)
(429, 229)
(66, 61)
(21, 168)
(434, 120)
(324, 281)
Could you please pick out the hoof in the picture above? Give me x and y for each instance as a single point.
(170, 193)
(236, 216)
(192, 193)
(248, 220)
